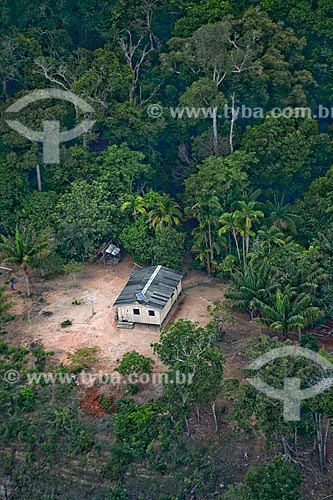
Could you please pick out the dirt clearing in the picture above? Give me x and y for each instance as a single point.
(40, 321)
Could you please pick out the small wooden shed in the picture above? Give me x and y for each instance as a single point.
(109, 253)
(148, 296)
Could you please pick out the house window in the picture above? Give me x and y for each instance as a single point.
(136, 312)
(151, 313)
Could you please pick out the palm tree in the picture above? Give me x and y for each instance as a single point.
(325, 242)
(136, 204)
(241, 222)
(247, 216)
(250, 284)
(206, 211)
(281, 214)
(269, 238)
(165, 213)
(247, 196)
(202, 249)
(287, 314)
(25, 248)
(231, 224)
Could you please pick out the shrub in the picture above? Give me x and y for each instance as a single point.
(309, 341)
(66, 323)
(134, 425)
(82, 359)
(133, 362)
(26, 398)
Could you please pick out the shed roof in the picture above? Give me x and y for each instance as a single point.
(113, 250)
(150, 286)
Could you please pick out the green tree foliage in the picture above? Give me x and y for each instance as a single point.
(253, 411)
(206, 237)
(253, 195)
(25, 249)
(287, 314)
(250, 284)
(134, 363)
(279, 480)
(191, 350)
(82, 359)
(135, 425)
(168, 248)
(281, 215)
(227, 177)
(122, 170)
(85, 216)
(289, 162)
(13, 186)
(165, 212)
(138, 239)
(4, 304)
(316, 207)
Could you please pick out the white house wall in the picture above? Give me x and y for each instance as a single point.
(126, 313)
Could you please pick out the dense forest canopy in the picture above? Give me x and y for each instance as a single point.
(137, 63)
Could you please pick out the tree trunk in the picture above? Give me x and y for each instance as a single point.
(214, 416)
(187, 427)
(325, 440)
(233, 119)
(237, 246)
(321, 444)
(244, 253)
(247, 240)
(39, 179)
(131, 92)
(207, 255)
(286, 448)
(211, 242)
(27, 285)
(215, 135)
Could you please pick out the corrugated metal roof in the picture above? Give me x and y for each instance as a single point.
(156, 284)
(113, 250)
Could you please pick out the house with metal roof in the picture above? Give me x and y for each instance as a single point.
(148, 296)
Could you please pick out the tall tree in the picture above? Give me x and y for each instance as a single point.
(165, 212)
(134, 203)
(26, 249)
(287, 313)
(247, 215)
(248, 285)
(281, 214)
(189, 349)
(207, 211)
